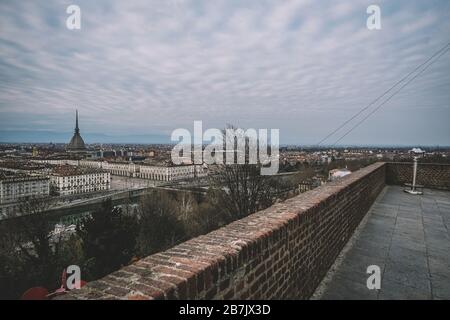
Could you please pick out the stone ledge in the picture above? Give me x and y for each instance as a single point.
(280, 252)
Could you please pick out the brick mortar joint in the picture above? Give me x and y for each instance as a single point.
(255, 238)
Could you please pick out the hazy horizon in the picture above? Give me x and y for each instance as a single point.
(64, 137)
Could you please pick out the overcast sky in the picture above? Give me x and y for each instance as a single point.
(148, 67)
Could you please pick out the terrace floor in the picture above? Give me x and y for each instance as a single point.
(408, 237)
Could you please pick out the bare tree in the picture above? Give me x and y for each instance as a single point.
(239, 189)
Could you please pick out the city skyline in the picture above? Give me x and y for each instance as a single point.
(60, 138)
(226, 150)
(137, 71)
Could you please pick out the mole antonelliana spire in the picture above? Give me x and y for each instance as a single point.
(76, 143)
(76, 122)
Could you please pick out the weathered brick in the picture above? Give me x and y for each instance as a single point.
(281, 252)
(117, 291)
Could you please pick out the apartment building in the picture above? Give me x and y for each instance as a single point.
(69, 180)
(16, 186)
(143, 171)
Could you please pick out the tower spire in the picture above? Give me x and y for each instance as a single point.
(76, 144)
(76, 122)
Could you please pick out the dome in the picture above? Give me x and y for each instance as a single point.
(76, 143)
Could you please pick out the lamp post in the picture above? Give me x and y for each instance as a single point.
(413, 190)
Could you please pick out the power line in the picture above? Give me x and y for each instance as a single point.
(382, 95)
(389, 98)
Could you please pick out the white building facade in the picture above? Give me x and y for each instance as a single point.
(171, 173)
(15, 188)
(158, 173)
(84, 182)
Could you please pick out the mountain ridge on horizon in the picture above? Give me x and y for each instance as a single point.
(25, 136)
(28, 136)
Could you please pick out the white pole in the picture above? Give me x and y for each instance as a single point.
(414, 174)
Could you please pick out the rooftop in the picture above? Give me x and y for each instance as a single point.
(23, 165)
(317, 244)
(408, 237)
(67, 170)
(10, 176)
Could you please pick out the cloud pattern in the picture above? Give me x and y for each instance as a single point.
(138, 67)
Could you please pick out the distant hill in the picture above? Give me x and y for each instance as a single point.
(64, 137)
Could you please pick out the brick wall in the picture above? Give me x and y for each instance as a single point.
(431, 175)
(282, 252)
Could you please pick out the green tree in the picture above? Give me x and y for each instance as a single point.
(30, 252)
(160, 225)
(108, 240)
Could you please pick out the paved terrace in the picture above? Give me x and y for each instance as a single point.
(408, 237)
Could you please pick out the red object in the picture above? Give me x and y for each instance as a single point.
(35, 293)
(41, 293)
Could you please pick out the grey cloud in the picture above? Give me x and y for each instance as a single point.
(151, 66)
